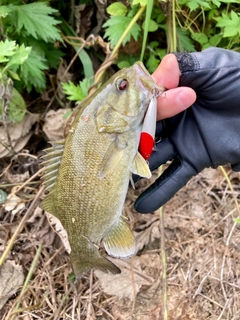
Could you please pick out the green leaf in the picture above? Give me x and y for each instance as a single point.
(193, 5)
(123, 64)
(7, 48)
(44, 49)
(5, 10)
(141, 2)
(206, 45)
(13, 75)
(83, 55)
(115, 27)
(214, 40)
(17, 107)
(185, 41)
(199, 37)
(237, 220)
(152, 63)
(126, 60)
(153, 44)
(20, 55)
(229, 1)
(153, 26)
(76, 93)
(217, 3)
(36, 20)
(230, 24)
(117, 9)
(31, 72)
(3, 196)
(161, 53)
(67, 114)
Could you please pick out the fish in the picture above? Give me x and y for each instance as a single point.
(87, 174)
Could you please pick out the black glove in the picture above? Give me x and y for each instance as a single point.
(205, 135)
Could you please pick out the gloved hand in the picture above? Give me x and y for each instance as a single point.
(205, 135)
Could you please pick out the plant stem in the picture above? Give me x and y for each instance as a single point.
(146, 27)
(135, 18)
(111, 57)
(21, 225)
(174, 29)
(164, 262)
(164, 266)
(29, 275)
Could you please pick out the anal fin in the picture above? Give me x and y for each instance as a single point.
(140, 167)
(120, 242)
(81, 266)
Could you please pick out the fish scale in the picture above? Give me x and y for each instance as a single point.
(99, 155)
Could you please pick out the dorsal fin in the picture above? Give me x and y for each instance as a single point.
(51, 162)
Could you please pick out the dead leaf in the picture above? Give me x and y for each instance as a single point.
(101, 15)
(58, 228)
(45, 231)
(126, 284)
(14, 204)
(54, 124)
(11, 278)
(19, 133)
(16, 178)
(150, 232)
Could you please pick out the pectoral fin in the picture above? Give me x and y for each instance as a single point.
(140, 167)
(112, 157)
(120, 241)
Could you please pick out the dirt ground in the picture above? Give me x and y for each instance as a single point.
(202, 248)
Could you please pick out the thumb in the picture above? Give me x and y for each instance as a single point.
(164, 188)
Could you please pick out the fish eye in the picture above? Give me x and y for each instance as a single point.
(122, 84)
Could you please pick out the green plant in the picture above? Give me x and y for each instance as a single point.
(76, 92)
(31, 25)
(184, 25)
(12, 56)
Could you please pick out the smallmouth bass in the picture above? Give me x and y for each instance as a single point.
(88, 174)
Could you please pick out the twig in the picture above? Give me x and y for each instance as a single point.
(65, 72)
(30, 179)
(164, 260)
(89, 307)
(164, 266)
(113, 54)
(6, 100)
(29, 275)
(231, 232)
(224, 259)
(21, 225)
(133, 284)
(224, 308)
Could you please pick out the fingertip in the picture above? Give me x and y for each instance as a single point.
(175, 101)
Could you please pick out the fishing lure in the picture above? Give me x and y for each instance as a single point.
(147, 137)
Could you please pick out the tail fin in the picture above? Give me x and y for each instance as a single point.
(83, 265)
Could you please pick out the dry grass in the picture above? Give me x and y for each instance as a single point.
(202, 243)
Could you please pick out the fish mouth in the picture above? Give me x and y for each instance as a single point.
(145, 81)
(141, 69)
